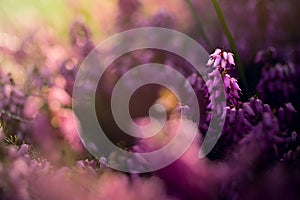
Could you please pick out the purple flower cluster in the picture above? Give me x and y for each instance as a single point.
(277, 83)
(221, 59)
(242, 118)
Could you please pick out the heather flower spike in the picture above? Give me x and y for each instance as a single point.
(224, 61)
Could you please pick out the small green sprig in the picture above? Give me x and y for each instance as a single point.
(11, 139)
(198, 22)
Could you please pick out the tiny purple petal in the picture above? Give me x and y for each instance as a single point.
(210, 62)
(217, 52)
(217, 61)
(226, 81)
(230, 59)
(225, 55)
(248, 109)
(267, 119)
(223, 63)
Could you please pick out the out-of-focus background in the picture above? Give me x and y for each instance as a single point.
(254, 25)
(24, 16)
(44, 42)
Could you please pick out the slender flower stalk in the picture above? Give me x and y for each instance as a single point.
(198, 22)
(230, 40)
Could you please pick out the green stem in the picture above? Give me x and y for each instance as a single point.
(199, 24)
(230, 40)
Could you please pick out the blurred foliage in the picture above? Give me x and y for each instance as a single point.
(17, 16)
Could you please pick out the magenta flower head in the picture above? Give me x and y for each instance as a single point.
(221, 59)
